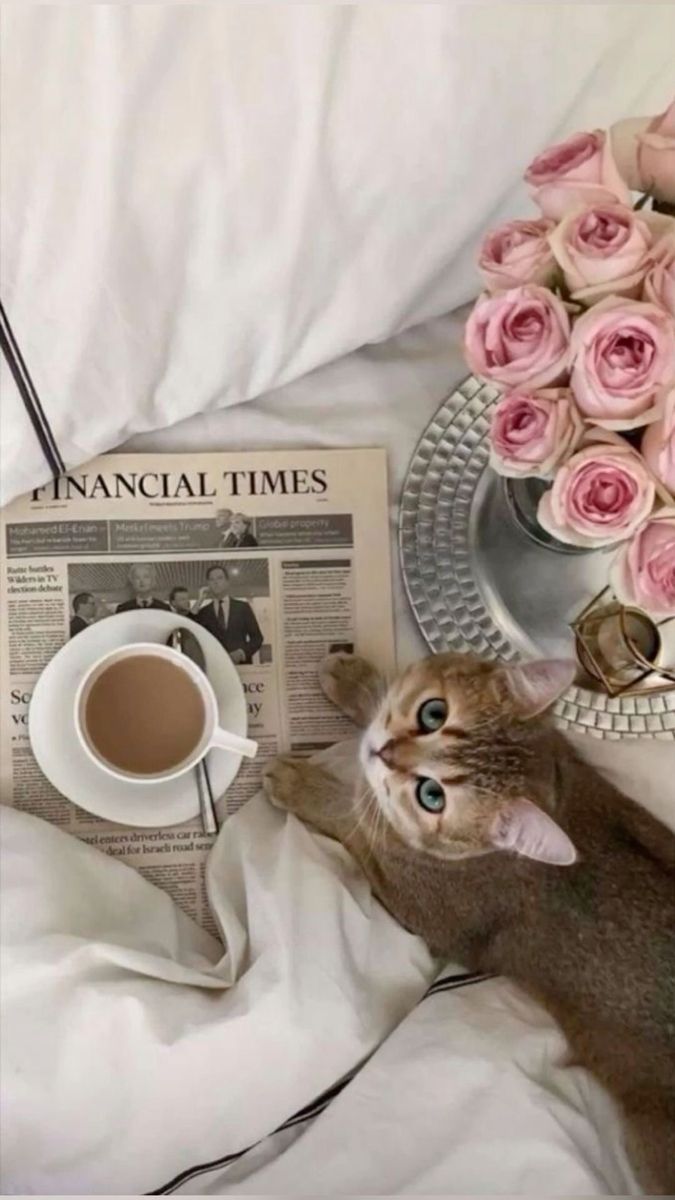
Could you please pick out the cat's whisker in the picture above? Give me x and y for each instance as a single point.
(379, 829)
(373, 810)
(364, 802)
(357, 824)
(384, 828)
(369, 817)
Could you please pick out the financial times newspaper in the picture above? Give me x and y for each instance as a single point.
(298, 539)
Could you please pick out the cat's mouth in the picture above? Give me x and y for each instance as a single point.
(373, 756)
(380, 752)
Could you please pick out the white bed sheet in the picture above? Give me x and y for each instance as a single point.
(469, 1096)
(133, 1049)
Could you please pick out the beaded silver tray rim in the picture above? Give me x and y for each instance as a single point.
(438, 572)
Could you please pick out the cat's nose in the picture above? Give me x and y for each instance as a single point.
(386, 753)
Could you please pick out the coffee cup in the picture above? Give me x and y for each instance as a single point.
(146, 713)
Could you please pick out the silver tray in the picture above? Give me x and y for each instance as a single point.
(477, 583)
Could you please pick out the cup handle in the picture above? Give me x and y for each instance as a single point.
(231, 741)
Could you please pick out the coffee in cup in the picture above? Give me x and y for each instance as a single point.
(148, 713)
(144, 715)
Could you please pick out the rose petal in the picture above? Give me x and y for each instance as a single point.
(599, 496)
(519, 338)
(531, 433)
(517, 253)
(656, 156)
(556, 199)
(658, 442)
(643, 572)
(579, 170)
(623, 355)
(624, 139)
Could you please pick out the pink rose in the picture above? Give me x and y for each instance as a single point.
(599, 496)
(644, 149)
(623, 355)
(517, 253)
(656, 156)
(519, 338)
(624, 137)
(531, 434)
(659, 285)
(603, 250)
(643, 573)
(580, 170)
(658, 444)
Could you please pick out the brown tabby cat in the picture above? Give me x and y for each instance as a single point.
(480, 829)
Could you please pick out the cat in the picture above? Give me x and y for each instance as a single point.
(482, 831)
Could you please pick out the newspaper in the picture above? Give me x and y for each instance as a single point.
(303, 537)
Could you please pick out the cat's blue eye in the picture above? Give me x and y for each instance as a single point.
(431, 715)
(430, 795)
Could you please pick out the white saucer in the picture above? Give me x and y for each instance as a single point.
(57, 748)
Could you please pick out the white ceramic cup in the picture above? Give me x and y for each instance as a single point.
(212, 735)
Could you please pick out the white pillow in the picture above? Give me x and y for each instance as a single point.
(200, 203)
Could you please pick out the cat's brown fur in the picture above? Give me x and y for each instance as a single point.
(594, 942)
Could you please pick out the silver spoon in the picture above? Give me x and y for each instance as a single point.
(185, 642)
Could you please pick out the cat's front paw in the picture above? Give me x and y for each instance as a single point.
(352, 685)
(310, 792)
(282, 781)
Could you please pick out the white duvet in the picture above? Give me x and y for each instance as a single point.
(201, 202)
(135, 1049)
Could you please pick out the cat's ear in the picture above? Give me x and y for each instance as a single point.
(526, 829)
(535, 686)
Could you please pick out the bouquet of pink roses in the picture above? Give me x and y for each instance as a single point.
(577, 329)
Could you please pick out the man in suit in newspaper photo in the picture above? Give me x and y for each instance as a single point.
(84, 612)
(231, 621)
(239, 533)
(142, 580)
(179, 601)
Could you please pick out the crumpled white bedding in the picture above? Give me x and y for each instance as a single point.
(202, 202)
(125, 1049)
(134, 1049)
(470, 1095)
